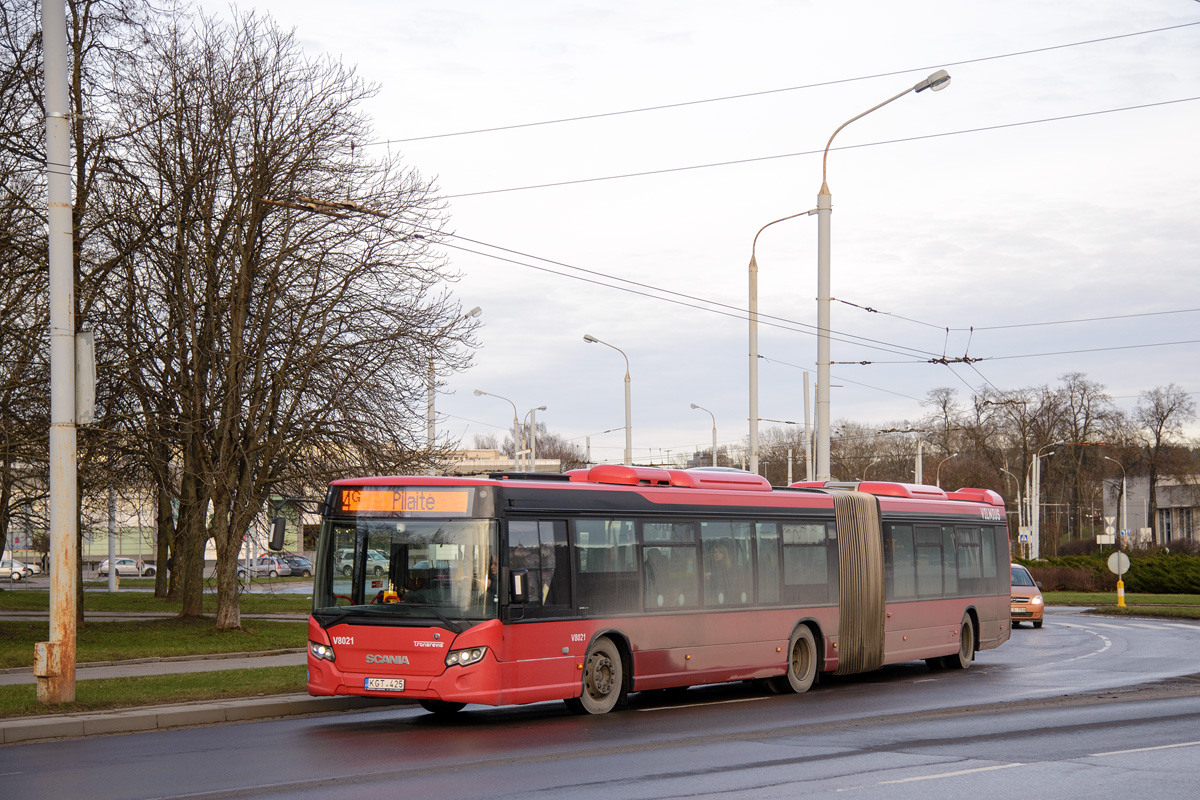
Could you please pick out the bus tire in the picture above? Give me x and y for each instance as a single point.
(441, 707)
(801, 663)
(603, 679)
(966, 645)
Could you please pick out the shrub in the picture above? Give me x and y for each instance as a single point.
(1151, 571)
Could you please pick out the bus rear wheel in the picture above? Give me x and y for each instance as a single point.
(603, 679)
(441, 706)
(801, 664)
(966, 645)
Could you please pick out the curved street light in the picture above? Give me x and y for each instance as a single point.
(937, 81)
(753, 317)
(516, 424)
(754, 459)
(587, 337)
(939, 469)
(867, 468)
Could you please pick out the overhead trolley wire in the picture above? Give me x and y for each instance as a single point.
(765, 92)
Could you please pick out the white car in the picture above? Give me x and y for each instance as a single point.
(126, 567)
(14, 570)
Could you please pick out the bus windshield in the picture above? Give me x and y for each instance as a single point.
(406, 568)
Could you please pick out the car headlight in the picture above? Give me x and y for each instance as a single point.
(462, 658)
(321, 651)
(1037, 601)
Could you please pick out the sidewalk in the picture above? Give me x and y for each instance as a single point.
(128, 720)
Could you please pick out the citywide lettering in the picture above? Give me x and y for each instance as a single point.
(378, 658)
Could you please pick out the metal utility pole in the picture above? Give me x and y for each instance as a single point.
(54, 661)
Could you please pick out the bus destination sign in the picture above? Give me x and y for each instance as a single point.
(407, 501)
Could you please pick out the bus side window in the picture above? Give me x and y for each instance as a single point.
(556, 563)
(767, 544)
(607, 578)
(950, 566)
(901, 562)
(669, 565)
(805, 563)
(523, 553)
(928, 541)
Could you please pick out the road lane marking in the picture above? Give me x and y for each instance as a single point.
(701, 705)
(1145, 749)
(954, 774)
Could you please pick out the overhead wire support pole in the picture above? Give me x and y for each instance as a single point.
(54, 660)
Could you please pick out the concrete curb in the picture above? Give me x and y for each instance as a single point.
(129, 720)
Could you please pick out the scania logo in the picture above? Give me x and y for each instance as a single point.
(380, 658)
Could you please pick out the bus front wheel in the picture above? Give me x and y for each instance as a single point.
(603, 679)
(966, 645)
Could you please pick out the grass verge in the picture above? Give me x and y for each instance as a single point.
(39, 600)
(158, 638)
(1146, 602)
(112, 693)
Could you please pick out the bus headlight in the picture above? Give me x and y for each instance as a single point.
(321, 651)
(462, 658)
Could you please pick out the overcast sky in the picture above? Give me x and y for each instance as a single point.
(1040, 214)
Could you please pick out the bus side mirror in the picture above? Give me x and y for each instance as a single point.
(278, 527)
(518, 586)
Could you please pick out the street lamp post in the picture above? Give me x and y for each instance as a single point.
(1034, 496)
(587, 337)
(1020, 507)
(753, 458)
(937, 81)
(531, 415)
(431, 417)
(753, 317)
(517, 443)
(939, 469)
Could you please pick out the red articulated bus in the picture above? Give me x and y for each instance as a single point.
(584, 587)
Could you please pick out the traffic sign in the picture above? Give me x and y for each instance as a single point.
(1023, 538)
(1118, 563)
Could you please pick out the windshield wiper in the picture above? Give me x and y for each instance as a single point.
(445, 620)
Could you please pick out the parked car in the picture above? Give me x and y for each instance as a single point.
(272, 566)
(14, 570)
(1027, 603)
(377, 562)
(126, 567)
(300, 564)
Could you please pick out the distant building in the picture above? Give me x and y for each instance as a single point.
(1178, 513)
(482, 462)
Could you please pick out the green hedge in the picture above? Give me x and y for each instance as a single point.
(1149, 573)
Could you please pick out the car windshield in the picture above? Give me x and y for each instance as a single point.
(407, 569)
(1020, 577)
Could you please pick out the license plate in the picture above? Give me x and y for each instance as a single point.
(1018, 609)
(384, 684)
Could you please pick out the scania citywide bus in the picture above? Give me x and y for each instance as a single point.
(584, 587)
